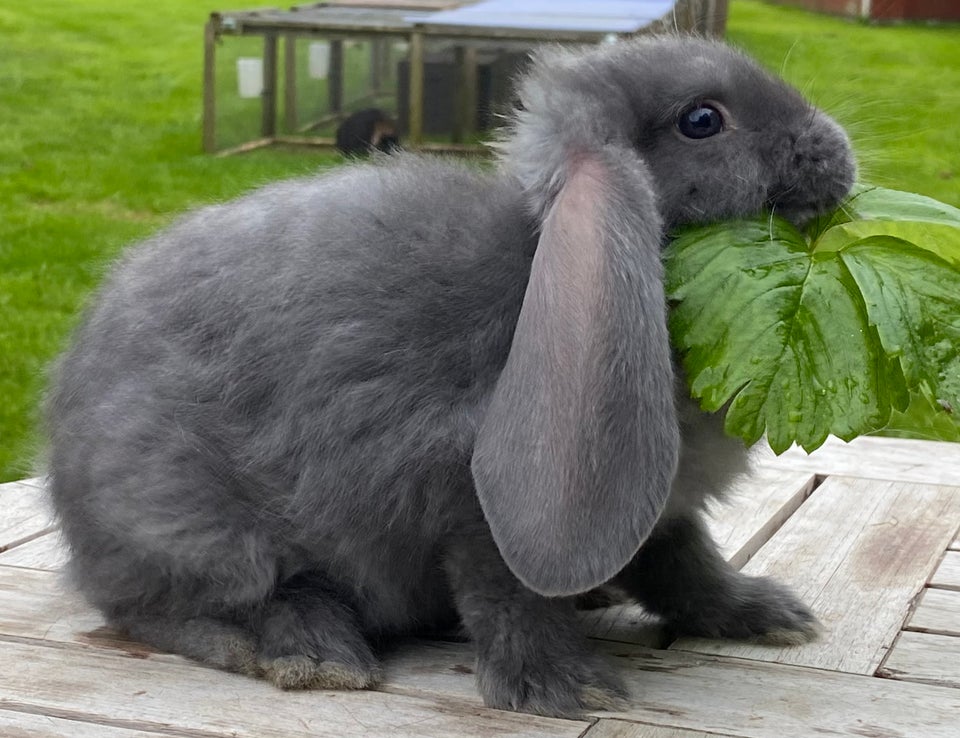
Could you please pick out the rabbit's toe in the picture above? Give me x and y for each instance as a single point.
(547, 683)
(304, 672)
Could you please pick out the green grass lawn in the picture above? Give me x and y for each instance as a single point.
(100, 145)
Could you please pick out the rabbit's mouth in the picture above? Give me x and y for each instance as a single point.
(801, 211)
(797, 213)
(799, 202)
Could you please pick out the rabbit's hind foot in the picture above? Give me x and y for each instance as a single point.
(208, 640)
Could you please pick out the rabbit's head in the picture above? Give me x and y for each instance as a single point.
(576, 453)
(722, 138)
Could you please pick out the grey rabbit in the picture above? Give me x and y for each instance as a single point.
(413, 393)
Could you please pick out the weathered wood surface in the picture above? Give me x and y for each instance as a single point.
(754, 509)
(46, 551)
(947, 574)
(868, 550)
(23, 514)
(925, 657)
(154, 695)
(938, 611)
(17, 724)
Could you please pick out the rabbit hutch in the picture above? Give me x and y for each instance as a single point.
(440, 69)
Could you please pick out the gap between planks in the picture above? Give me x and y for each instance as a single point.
(928, 658)
(947, 575)
(23, 721)
(623, 729)
(43, 551)
(25, 513)
(938, 611)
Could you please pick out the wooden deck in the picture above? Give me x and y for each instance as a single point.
(866, 533)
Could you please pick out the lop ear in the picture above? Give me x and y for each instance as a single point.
(576, 454)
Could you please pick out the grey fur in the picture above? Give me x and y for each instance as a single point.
(380, 399)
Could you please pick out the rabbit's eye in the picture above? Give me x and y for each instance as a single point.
(701, 121)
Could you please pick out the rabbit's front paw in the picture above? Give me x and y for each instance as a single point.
(553, 678)
(756, 609)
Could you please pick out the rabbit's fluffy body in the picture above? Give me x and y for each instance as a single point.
(341, 407)
(245, 431)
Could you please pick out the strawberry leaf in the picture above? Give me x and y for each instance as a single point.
(838, 330)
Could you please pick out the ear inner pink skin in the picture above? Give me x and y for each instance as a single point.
(559, 461)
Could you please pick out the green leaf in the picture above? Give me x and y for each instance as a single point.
(925, 419)
(942, 240)
(880, 204)
(912, 297)
(833, 332)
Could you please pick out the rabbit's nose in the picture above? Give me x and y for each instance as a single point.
(816, 172)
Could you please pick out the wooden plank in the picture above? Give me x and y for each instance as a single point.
(721, 695)
(858, 552)
(754, 508)
(160, 695)
(871, 457)
(38, 604)
(44, 552)
(955, 546)
(938, 611)
(947, 575)
(16, 724)
(924, 657)
(623, 729)
(25, 513)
